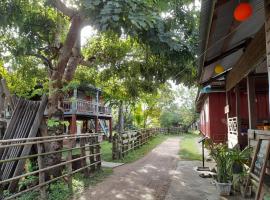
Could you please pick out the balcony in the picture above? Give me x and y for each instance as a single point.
(81, 106)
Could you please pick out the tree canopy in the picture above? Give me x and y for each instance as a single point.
(140, 45)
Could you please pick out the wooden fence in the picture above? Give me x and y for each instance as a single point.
(130, 140)
(87, 159)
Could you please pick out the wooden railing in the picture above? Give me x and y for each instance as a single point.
(87, 159)
(128, 141)
(84, 106)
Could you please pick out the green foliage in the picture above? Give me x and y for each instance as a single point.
(55, 123)
(58, 190)
(26, 81)
(169, 118)
(222, 156)
(28, 181)
(29, 196)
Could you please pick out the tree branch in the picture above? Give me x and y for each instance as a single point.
(60, 6)
(66, 50)
(45, 60)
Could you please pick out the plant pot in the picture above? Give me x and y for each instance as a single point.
(224, 189)
(247, 193)
(237, 168)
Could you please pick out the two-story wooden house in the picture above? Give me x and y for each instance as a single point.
(85, 109)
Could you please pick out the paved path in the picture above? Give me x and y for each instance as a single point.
(157, 176)
(186, 184)
(145, 179)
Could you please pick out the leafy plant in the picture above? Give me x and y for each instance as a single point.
(27, 182)
(223, 158)
(239, 158)
(55, 123)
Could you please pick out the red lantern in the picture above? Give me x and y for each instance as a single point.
(243, 11)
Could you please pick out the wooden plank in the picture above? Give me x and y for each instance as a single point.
(262, 174)
(42, 180)
(69, 165)
(251, 95)
(7, 94)
(33, 132)
(267, 40)
(247, 62)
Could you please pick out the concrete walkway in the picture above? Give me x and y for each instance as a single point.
(158, 175)
(146, 179)
(187, 185)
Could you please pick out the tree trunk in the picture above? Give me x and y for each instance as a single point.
(57, 80)
(121, 118)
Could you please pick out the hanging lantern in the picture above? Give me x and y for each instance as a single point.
(219, 69)
(243, 11)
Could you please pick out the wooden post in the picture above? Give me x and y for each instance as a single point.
(238, 114)
(41, 165)
(98, 157)
(83, 161)
(267, 39)
(73, 128)
(251, 102)
(92, 151)
(227, 112)
(110, 129)
(69, 165)
(96, 124)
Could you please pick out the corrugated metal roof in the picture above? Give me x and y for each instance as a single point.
(221, 29)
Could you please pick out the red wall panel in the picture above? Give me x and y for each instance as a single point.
(212, 117)
(218, 119)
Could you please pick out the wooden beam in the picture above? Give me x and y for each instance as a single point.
(227, 53)
(267, 40)
(247, 62)
(251, 95)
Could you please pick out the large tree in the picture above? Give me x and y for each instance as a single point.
(49, 31)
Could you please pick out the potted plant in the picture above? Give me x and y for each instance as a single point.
(245, 185)
(239, 158)
(222, 156)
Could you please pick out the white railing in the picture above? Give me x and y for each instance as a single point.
(233, 125)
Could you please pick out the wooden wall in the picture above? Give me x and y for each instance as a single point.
(212, 117)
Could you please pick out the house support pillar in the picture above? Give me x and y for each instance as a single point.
(238, 112)
(267, 39)
(96, 124)
(251, 102)
(110, 129)
(73, 128)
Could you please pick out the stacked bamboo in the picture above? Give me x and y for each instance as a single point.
(24, 123)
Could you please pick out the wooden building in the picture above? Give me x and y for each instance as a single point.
(212, 121)
(240, 94)
(85, 109)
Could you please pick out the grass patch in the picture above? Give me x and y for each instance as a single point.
(188, 147)
(106, 150)
(59, 190)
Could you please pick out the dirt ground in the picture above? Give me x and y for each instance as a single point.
(157, 176)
